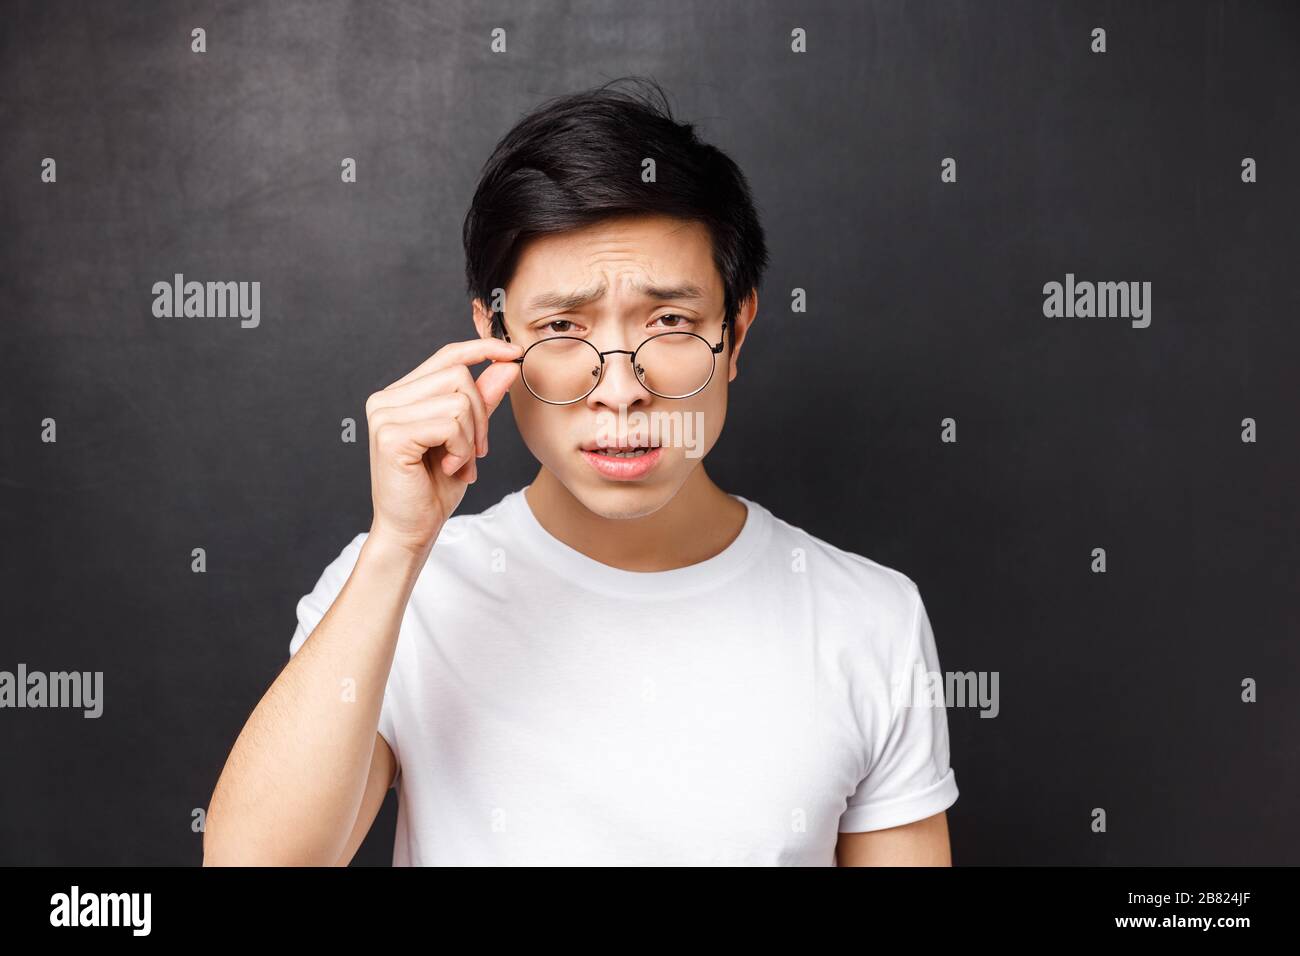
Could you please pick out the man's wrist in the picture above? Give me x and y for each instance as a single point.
(393, 555)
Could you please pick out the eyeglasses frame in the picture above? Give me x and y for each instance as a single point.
(713, 349)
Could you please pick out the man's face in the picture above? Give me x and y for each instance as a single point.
(611, 265)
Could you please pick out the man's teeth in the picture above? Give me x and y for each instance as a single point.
(629, 453)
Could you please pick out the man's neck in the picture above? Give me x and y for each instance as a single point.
(700, 521)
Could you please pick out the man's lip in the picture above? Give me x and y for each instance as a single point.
(624, 446)
(614, 468)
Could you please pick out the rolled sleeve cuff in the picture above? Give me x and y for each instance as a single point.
(896, 811)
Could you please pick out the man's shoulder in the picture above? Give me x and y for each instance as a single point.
(459, 529)
(470, 526)
(839, 570)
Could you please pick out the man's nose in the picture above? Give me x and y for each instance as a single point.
(619, 385)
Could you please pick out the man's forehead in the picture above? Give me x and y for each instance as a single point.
(659, 291)
(656, 258)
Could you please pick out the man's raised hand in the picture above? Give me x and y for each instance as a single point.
(427, 431)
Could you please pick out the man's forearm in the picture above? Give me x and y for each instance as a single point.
(293, 782)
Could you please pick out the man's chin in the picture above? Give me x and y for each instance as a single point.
(622, 499)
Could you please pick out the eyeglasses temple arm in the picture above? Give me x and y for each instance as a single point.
(722, 338)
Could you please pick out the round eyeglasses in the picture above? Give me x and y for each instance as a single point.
(564, 369)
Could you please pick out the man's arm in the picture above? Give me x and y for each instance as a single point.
(923, 843)
(307, 767)
(308, 774)
(383, 768)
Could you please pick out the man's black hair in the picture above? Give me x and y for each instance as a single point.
(577, 159)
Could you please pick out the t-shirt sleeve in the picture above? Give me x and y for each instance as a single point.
(909, 777)
(312, 607)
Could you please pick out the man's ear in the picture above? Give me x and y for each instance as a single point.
(482, 320)
(744, 319)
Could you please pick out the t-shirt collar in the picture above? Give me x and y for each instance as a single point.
(586, 572)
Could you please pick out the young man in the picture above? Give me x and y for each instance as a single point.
(619, 663)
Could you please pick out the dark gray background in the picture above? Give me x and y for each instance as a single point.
(1118, 690)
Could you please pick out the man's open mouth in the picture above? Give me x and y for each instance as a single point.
(623, 459)
(621, 452)
(632, 448)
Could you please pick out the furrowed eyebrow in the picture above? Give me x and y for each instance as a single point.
(564, 300)
(664, 293)
(567, 301)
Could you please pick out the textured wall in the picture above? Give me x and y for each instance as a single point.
(1119, 690)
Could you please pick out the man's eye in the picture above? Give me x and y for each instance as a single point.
(673, 320)
(551, 326)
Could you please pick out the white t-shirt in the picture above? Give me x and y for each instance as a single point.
(547, 709)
